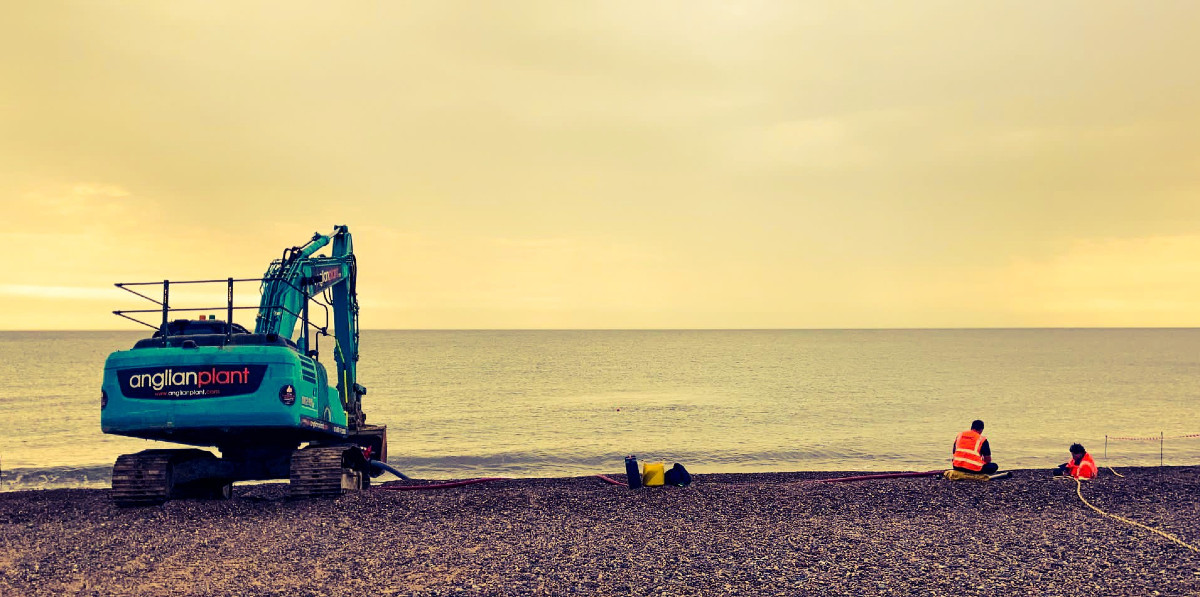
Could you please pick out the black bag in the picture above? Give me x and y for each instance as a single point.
(678, 476)
(633, 474)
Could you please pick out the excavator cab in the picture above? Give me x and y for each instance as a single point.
(194, 327)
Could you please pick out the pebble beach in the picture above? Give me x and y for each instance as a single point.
(726, 534)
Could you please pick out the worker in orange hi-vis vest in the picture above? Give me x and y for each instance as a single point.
(1080, 466)
(972, 454)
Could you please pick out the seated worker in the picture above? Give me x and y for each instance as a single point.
(1080, 466)
(972, 454)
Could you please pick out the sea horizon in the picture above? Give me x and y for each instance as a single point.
(462, 403)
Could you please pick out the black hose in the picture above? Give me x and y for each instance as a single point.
(385, 466)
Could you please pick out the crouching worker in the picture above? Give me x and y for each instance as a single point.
(972, 454)
(1080, 466)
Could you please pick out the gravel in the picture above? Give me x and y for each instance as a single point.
(726, 534)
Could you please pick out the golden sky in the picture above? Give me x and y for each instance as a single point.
(613, 164)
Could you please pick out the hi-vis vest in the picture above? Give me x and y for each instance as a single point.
(1086, 469)
(966, 450)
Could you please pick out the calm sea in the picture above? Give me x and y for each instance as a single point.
(562, 403)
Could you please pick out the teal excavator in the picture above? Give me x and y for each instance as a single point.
(262, 399)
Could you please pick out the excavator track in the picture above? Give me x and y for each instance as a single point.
(143, 479)
(321, 471)
(152, 477)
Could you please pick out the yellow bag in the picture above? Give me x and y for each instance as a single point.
(653, 474)
(954, 475)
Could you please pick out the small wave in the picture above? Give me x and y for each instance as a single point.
(57, 477)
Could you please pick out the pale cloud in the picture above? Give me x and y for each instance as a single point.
(804, 144)
(89, 212)
(1139, 281)
(595, 164)
(1061, 138)
(102, 190)
(1151, 281)
(60, 292)
(482, 272)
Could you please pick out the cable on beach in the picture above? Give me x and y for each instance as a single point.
(878, 476)
(1079, 492)
(441, 485)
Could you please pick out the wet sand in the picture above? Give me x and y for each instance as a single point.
(727, 534)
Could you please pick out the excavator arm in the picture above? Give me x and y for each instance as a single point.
(298, 276)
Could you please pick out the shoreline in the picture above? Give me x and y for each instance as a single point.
(727, 533)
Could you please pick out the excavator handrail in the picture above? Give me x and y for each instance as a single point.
(122, 284)
(166, 309)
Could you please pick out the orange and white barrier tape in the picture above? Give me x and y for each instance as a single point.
(1151, 438)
